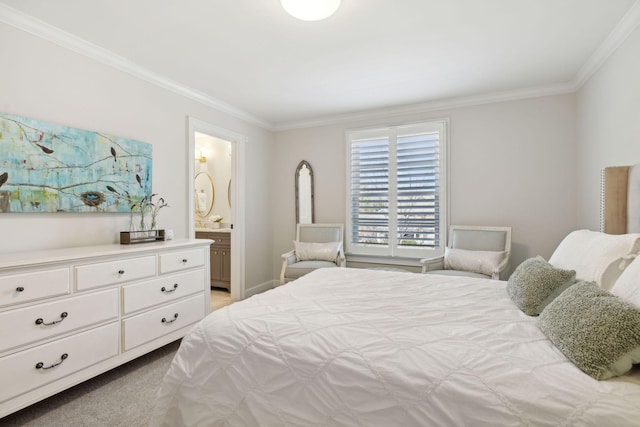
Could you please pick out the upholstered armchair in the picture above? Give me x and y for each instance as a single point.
(473, 251)
(316, 246)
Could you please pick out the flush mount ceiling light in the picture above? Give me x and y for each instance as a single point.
(310, 10)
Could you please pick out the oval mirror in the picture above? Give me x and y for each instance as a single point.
(304, 193)
(205, 194)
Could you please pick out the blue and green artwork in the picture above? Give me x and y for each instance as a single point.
(47, 167)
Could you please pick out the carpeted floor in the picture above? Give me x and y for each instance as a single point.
(122, 397)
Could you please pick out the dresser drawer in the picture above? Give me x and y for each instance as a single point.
(105, 273)
(146, 327)
(181, 260)
(25, 325)
(161, 290)
(19, 373)
(25, 287)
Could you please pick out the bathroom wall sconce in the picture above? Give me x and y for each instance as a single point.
(201, 157)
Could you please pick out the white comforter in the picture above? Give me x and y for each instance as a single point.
(353, 347)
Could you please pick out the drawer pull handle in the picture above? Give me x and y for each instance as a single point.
(166, 291)
(40, 365)
(63, 316)
(175, 317)
(184, 260)
(120, 271)
(20, 289)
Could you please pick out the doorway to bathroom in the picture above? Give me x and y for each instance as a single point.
(216, 202)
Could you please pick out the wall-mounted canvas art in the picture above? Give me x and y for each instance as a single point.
(47, 167)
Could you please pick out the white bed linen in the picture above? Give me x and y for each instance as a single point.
(344, 347)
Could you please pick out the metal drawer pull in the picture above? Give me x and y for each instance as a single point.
(175, 317)
(40, 365)
(120, 271)
(63, 316)
(166, 291)
(20, 289)
(184, 260)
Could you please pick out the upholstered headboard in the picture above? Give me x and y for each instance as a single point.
(620, 200)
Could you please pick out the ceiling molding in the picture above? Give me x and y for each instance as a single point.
(41, 29)
(625, 27)
(427, 107)
(29, 24)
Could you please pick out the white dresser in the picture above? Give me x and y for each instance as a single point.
(67, 315)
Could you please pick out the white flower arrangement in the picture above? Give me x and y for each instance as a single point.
(215, 218)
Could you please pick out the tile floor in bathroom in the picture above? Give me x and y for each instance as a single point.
(219, 298)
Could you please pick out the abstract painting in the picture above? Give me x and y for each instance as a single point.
(47, 167)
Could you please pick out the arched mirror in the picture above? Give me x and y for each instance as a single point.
(205, 194)
(304, 193)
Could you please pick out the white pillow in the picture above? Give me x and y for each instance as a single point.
(627, 286)
(312, 251)
(595, 256)
(483, 262)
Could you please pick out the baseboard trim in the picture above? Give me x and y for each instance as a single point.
(265, 286)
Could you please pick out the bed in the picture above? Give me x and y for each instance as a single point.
(357, 347)
(347, 347)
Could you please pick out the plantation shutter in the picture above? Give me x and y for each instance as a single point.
(418, 189)
(395, 190)
(370, 191)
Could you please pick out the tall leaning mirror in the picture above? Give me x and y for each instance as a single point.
(304, 193)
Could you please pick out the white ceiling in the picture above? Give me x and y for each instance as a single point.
(252, 58)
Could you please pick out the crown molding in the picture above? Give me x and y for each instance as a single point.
(38, 28)
(625, 27)
(431, 106)
(41, 29)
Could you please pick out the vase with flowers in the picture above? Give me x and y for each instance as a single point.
(215, 221)
(147, 210)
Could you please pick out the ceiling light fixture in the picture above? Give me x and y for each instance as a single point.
(310, 10)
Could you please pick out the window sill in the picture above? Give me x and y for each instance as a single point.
(372, 259)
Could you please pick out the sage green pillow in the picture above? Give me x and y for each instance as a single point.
(596, 330)
(535, 283)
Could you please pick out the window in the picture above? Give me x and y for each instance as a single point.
(396, 191)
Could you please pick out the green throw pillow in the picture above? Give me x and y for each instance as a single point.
(535, 283)
(597, 331)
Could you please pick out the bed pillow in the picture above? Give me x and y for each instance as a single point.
(627, 286)
(535, 283)
(483, 262)
(596, 257)
(596, 330)
(312, 251)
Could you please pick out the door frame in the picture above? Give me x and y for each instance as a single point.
(237, 192)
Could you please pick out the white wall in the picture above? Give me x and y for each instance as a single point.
(608, 125)
(44, 81)
(511, 163)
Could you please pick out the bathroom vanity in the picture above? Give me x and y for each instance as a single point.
(219, 255)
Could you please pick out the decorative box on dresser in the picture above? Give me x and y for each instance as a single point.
(220, 257)
(67, 315)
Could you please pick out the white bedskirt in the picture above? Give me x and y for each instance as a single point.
(354, 347)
